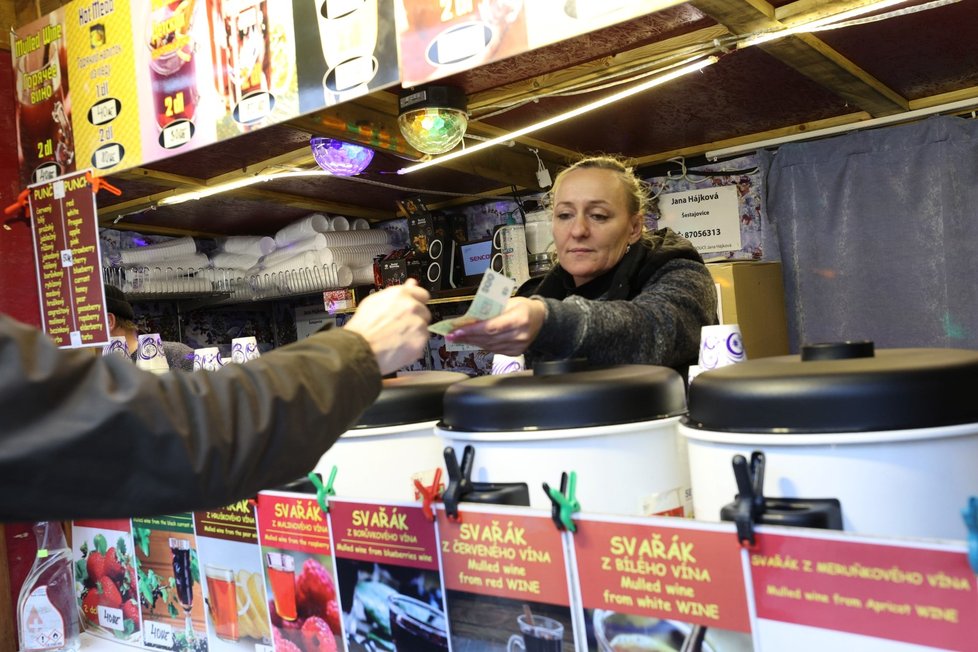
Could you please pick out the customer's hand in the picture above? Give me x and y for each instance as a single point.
(509, 333)
(394, 322)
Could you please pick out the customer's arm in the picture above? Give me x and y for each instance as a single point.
(86, 436)
(83, 435)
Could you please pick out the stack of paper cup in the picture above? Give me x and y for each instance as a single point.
(208, 358)
(720, 346)
(116, 344)
(150, 355)
(244, 349)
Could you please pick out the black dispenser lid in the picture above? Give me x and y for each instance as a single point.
(564, 395)
(413, 397)
(844, 387)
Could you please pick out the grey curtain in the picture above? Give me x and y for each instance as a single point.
(878, 233)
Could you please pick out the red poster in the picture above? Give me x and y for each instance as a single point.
(46, 145)
(923, 595)
(506, 580)
(293, 531)
(64, 224)
(398, 534)
(662, 579)
(510, 555)
(389, 585)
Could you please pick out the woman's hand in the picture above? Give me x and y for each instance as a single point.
(509, 333)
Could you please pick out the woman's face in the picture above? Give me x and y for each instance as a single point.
(592, 225)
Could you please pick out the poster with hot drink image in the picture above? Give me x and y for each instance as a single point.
(178, 107)
(293, 533)
(168, 574)
(45, 141)
(254, 60)
(105, 577)
(390, 589)
(507, 581)
(102, 68)
(659, 584)
(347, 48)
(436, 38)
(233, 582)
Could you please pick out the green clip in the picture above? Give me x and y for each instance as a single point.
(323, 492)
(566, 506)
(42, 553)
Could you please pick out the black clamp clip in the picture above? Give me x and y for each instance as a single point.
(749, 503)
(459, 479)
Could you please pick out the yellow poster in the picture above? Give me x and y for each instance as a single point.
(103, 84)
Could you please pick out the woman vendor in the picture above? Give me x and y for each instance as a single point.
(618, 293)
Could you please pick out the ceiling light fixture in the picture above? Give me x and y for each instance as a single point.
(573, 113)
(340, 158)
(432, 119)
(203, 193)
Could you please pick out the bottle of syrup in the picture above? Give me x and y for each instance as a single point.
(47, 611)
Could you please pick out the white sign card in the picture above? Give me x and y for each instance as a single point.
(708, 218)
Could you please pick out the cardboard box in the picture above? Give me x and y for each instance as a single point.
(752, 295)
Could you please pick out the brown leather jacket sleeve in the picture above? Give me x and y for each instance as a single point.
(87, 436)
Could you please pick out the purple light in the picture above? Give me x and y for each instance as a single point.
(339, 158)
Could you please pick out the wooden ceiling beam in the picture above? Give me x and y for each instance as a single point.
(310, 203)
(150, 202)
(597, 70)
(697, 150)
(806, 53)
(813, 58)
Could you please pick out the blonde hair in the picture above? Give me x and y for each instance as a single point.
(637, 192)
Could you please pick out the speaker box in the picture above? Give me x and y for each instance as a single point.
(441, 257)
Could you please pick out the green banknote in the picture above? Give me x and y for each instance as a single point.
(494, 291)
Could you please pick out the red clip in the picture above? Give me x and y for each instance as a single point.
(19, 204)
(429, 494)
(253, 502)
(98, 183)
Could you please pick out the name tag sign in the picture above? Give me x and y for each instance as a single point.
(708, 218)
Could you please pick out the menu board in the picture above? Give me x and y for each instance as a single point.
(381, 576)
(105, 577)
(152, 78)
(507, 581)
(297, 555)
(661, 581)
(348, 47)
(390, 587)
(67, 254)
(105, 116)
(230, 568)
(835, 592)
(167, 569)
(438, 38)
(45, 137)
